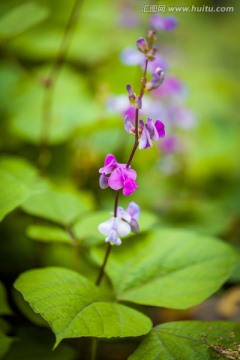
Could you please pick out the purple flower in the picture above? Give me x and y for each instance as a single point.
(122, 225)
(120, 177)
(156, 80)
(131, 215)
(165, 23)
(142, 45)
(147, 132)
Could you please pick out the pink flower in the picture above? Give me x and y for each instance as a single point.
(121, 177)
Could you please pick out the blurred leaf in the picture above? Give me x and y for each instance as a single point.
(171, 268)
(48, 234)
(190, 340)
(22, 18)
(72, 107)
(5, 344)
(4, 308)
(58, 204)
(52, 291)
(16, 183)
(35, 343)
(27, 311)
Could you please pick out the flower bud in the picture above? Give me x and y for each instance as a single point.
(142, 45)
(151, 36)
(156, 80)
(150, 55)
(131, 95)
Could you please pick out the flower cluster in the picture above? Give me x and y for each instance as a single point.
(120, 176)
(117, 176)
(122, 225)
(146, 131)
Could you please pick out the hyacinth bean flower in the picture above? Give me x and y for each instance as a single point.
(122, 225)
(165, 23)
(156, 80)
(117, 176)
(147, 132)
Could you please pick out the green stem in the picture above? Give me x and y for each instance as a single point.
(49, 85)
(93, 349)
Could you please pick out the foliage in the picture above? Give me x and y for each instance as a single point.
(63, 74)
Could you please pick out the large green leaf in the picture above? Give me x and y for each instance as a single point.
(198, 340)
(58, 204)
(17, 180)
(170, 268)
(74, 307)
(21, 18)
(4, 308)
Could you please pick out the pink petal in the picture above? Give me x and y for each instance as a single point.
(129, 187)
(116, 179)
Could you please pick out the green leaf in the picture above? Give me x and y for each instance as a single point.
(73, 107)
(35, 343)
(73, 306)
(17, 179)
(198, 340)
(4, 308)
(5, 344)
(170, 268)
(51, 234)
(22, 18)
(58, 204)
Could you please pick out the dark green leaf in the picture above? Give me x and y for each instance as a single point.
(198, 340)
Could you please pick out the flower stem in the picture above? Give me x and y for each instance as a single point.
(101, 272)
(135, 145)
(49, 85)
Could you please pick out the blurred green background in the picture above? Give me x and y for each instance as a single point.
(203, 52)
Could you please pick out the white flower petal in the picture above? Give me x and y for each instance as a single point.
(123, 228)
(106, 227)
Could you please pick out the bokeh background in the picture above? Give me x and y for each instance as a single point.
(194, 184)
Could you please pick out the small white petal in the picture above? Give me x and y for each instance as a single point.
(106, 227)
(123, 228)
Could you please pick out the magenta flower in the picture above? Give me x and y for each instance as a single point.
(165, 23)
(121, 177)
(147, 132)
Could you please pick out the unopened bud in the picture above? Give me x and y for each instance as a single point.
(142, 45)
(131, 95)
(151, 36)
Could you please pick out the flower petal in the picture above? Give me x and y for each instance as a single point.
(123, 228)
(144, 140)
(160, 128)
(152, 129)
(103, 181)
(122, 214)
(116, 179)
(130, 186)
(106, 227)
(133, 210)
(127, 123)
(113, 238)
(110, 164)
(134, 225)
